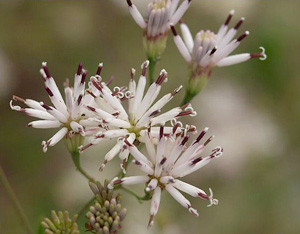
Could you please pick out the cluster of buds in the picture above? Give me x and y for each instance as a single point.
(60, 223)
(106, 215)
(156, 24)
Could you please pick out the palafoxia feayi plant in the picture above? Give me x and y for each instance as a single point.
(89, 111)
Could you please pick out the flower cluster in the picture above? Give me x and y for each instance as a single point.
(167, 162)
(93, 113)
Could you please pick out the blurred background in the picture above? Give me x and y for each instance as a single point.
(252, 108)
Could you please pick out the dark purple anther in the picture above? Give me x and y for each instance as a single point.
(163, 161)
(83, 77)
(161, 131)
(238, 25)
(174, 30)
(46, 70)
(243, 36)
(228, 18)
(129, 3)
(185, 139)
(49, 92)
(79, 70)
(196, 160)
(98, 72)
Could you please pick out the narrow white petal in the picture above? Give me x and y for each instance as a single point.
(45, 124)
(234, 59)
(134, 180)
(155, 201)
(39, 114)
(113, 152)
(139, 94)
(173, 7)
(187, 36)
(152, 185)
(180, 12)
(136, 15)
(178, 196)
(144, 167)
(58, 136)
(77, 128)
(182, 48)
(139, 156)
(187, 188)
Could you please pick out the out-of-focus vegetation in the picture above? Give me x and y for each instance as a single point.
(258, 187)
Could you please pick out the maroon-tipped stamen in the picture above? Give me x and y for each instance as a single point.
(46, 70)
(195, 161)
(49, 92)
(185, 106)
(213, 50)
(83, 76)
(245, 34)
(91, 108)
(136, 162)
(163, 161)
(89, 92)
(173, 30)
(161, 78)
(161, 131)
(129, 3)
(16, 98)
(183, 113)
(175, 127)
(204, 196)
(144, 70)
(238, 25)
(79, 99)
(99, 69)
(185, 139)
(79, 70)
(228, 18)
(46, 107)
(208, 140)
(177, 90)
(97, 85)
(154, 113)
(110, 80)
(85, 147)
(201, 135)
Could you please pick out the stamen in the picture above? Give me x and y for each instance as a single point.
(238, 25)
(208, 140)
(46, 70)
(161, 131)
(161, 77)
(229, 17)
(83, 76)
(84, 147)
(99, 69)
(261, 55)
(144, 67)
(79, 69)
(213, 50)
(103, 165)
(110, 80)
(173, 30)
(132, 73)
(177, 90)
(243, 36)
(17, 98)
(129, 3)
(49, 92)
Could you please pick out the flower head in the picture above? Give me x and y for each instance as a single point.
(60, 223)
(64, 114)
(167, 162)
(143, 112)
(159, 15)
(209, 49)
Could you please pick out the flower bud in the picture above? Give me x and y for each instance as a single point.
(106, 215)
(60, 223)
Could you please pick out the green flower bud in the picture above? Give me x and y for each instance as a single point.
(105, 216)
(60, 223)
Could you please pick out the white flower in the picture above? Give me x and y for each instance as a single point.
(209, 49)
(159, 15)
(143, 112)
(64, 114)
(166, 163)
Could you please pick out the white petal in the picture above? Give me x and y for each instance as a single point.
(233, 59)
(180, 12)
(144, 167)
(136, 15)
(155, 201)
(182, 48)
(134, 180)
(45, 124)
(187, 188)
(39, 114)
(187, 36)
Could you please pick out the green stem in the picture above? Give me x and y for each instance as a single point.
(76, 160)
(15, 201)
(187, 98)
(152, 64)
(139, 198)
(86, 206)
